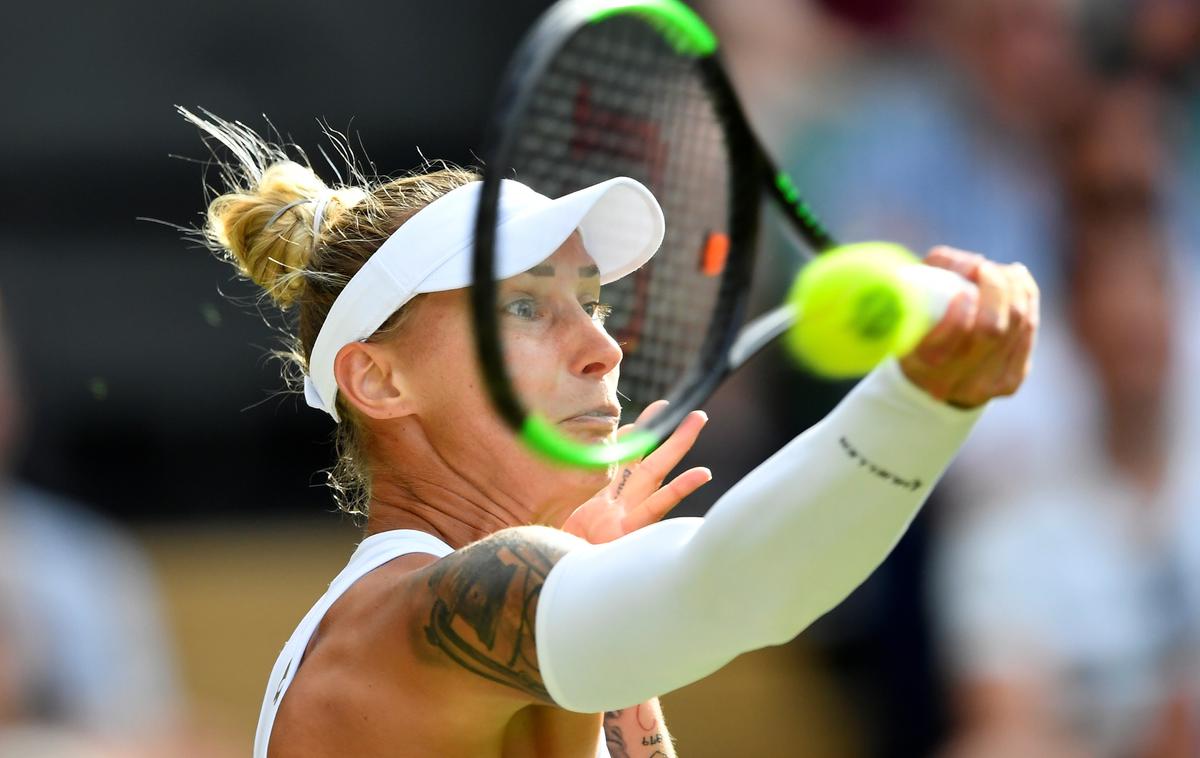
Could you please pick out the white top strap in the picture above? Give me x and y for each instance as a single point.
(372, 553)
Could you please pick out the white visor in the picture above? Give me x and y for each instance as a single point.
(621, 223)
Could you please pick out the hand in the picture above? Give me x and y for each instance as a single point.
(636, 496)
(983, 345)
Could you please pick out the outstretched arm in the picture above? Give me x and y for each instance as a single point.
(532, 609)
(782, 547)
(798, 534)
(547, 617)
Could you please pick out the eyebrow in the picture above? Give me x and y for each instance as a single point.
(545, 269)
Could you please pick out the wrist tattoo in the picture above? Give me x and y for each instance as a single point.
(614, 738)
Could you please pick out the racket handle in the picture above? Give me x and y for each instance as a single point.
(937, 286)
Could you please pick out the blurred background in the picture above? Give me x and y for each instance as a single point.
(163, 519)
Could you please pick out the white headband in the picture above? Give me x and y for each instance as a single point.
(621, 223)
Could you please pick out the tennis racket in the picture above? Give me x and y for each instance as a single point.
(604, 88)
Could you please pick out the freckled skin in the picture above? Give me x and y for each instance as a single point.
(561, 361)
(385, 672)
(426, 657)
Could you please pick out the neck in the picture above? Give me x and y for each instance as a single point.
(457, 517)
(462, 500)
(430, 495)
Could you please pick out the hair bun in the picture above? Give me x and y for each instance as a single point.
(268, 230)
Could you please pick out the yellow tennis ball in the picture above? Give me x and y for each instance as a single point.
(854, 310)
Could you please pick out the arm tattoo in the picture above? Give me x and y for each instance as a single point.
(613, 736)
(485, 604)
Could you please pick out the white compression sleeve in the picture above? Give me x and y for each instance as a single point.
(662, 607)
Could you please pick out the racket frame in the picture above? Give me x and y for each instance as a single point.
(751, 170)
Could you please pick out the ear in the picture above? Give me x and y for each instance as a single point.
(368, 376)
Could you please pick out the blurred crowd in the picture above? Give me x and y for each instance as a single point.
(1048, 602)
(1055, 580)
(87, 666)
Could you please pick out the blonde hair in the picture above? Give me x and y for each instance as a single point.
(265, 223)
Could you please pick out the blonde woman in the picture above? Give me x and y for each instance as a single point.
(500, 605)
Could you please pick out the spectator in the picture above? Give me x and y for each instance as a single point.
(1062, 593)
(82, 643)
(975, 103)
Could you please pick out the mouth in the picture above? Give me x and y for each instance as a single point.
(604, 415)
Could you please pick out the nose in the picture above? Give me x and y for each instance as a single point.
(595, 352)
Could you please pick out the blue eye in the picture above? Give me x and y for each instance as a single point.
(522, 309)
(598, 311)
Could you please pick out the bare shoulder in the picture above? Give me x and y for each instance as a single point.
(450, 639)
(349, 671)
(476, 609)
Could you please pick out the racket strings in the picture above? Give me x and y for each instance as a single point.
(617, 100)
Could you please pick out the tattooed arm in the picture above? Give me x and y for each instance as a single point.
(528, 612)
(482, 603)
(638, 732)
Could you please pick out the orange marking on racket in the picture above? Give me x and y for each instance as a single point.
(716, 250)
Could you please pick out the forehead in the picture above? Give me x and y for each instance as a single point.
(570, 260)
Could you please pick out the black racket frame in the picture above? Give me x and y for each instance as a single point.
(751, 172)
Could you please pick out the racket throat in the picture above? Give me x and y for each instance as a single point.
(760, 332)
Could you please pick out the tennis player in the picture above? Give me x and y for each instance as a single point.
(500, 605)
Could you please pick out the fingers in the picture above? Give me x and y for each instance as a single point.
(649, 412)
(638, 485)
(652, 410)
(992, 280)
(659, 504)
(1018, 353)
(995, 300)
(971, 357)
(985, 374)
(949, 335)
(655, 466)
(959, 261)
(991, 338)
(1032, 295)
(1017, 365)
(640, 479)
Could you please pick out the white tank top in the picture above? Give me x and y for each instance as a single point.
(372, 553)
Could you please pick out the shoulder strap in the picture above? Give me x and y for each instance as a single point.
(371, 553)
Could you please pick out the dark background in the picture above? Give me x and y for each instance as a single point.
(143, 361)
(149, 392)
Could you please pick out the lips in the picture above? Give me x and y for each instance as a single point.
(602, 414)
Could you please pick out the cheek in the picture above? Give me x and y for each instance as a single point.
(533, 366)
(452, 399)
(453, 385)
(443, 380)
